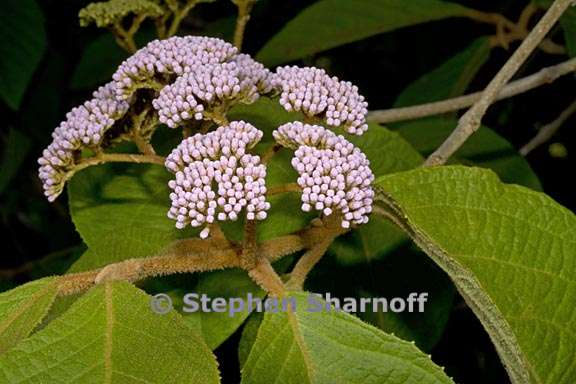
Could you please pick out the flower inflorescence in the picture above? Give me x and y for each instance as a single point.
(311, 91)
(215, 177)
(84, 126)
(173, 56)
(334, 174)
(217, 160)
(208, 86)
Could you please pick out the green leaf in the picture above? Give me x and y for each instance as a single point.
(120, 212)
(485, 148)
(22, 43)
(216, 327)
(110, 335)
(327, 347)
(450, 79)
(23, 308)
(509, 250)
(15, 151)
(249, 333)
(330, 23)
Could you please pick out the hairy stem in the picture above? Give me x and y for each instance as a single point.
(547, 131)
(470, 121)
(266, 277)
(542, 77)
(184, 256)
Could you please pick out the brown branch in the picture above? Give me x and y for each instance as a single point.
(547, 131)
(470, 121)
(542, 77)
(190, 255)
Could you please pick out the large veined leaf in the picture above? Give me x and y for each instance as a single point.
(22, 43)
(111, 335)
(330, 23)
(120, 211)
(510, 251)
(23, 308)
(332, 347)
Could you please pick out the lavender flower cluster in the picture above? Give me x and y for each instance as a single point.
(311, 91)
(193, 78)
(334, 174)
(212, 84)
(217, 160)
(173, 56)
(84, 126)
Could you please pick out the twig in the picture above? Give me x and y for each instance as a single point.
(544, 76)
(548, 130)
(470, 121)
(244, 9)
(179, 15)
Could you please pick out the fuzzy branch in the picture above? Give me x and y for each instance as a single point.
(196, 255)
(470, 121)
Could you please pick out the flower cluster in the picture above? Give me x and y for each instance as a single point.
(217, 160)
(208, 85)
(84, 126)
(311, 91)
(216, 179)
(334, 174)
(173, 56)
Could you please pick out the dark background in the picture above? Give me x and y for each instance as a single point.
(38, 238)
